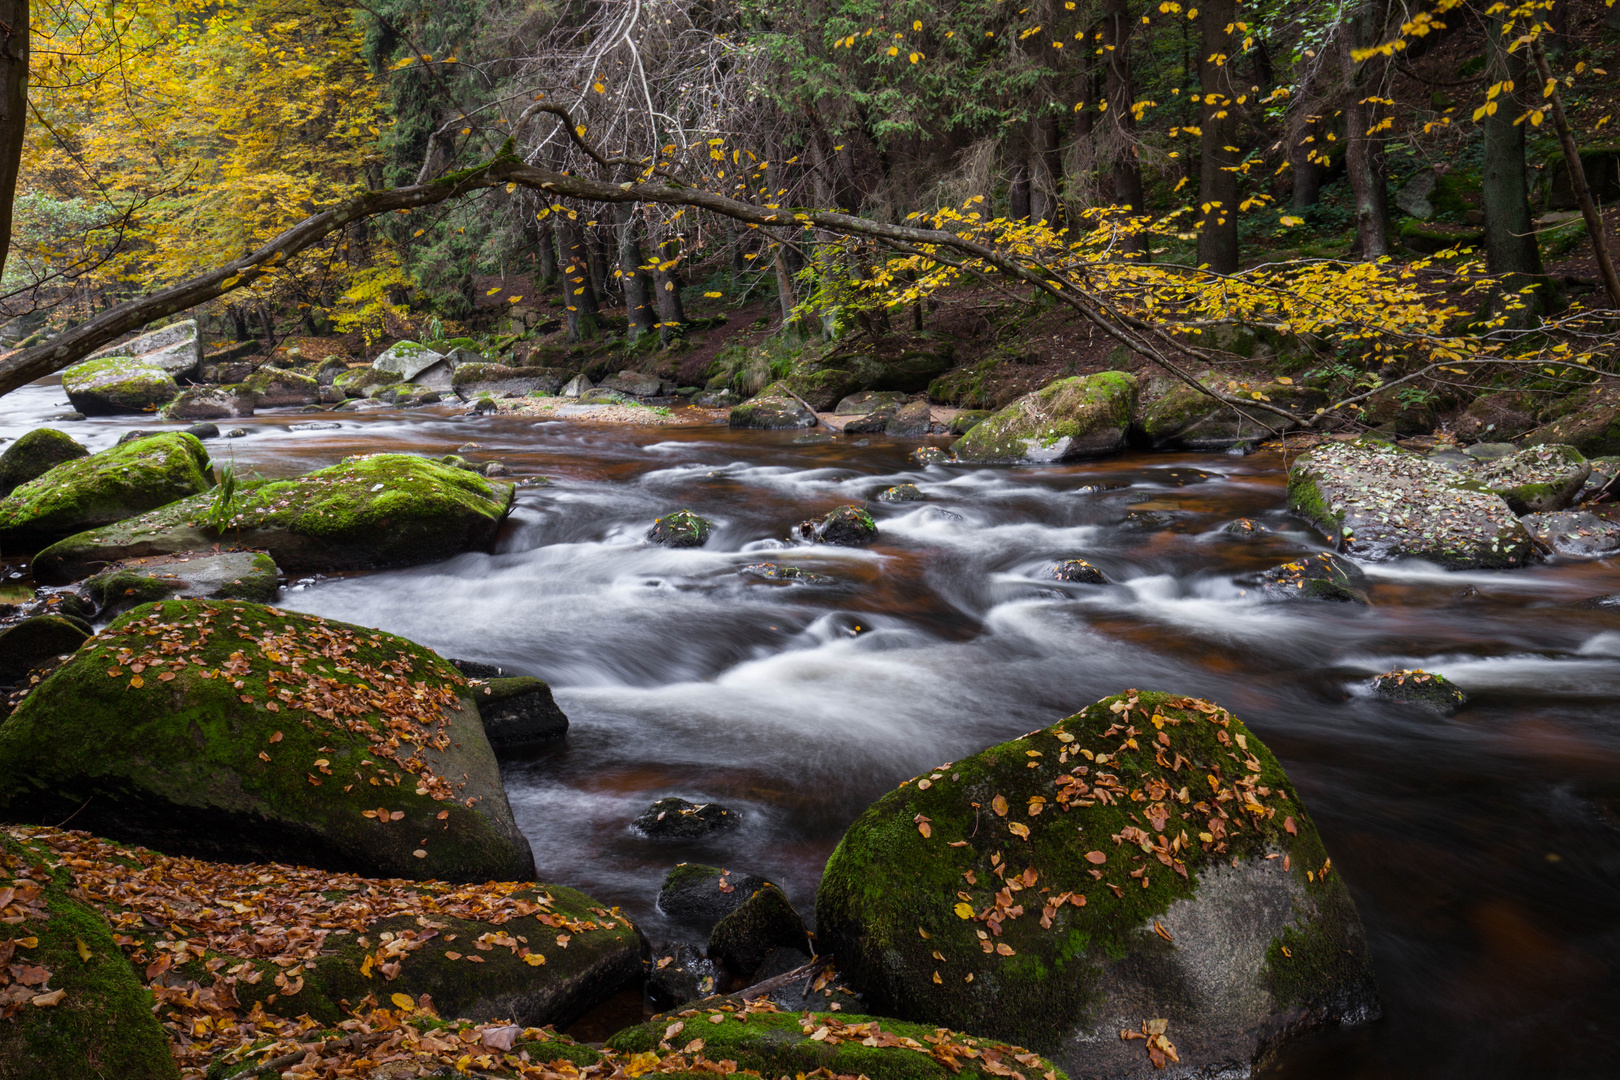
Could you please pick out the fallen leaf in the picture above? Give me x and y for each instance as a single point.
(1019, 829)
(46, 1000)
(1158, 928)
(1004, 949)
(963, 911)
(999, 805)
(1096, 858)
(402, 1001)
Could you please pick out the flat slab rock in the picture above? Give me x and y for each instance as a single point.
(234, 575)
(1378, 503)
(1574, 533)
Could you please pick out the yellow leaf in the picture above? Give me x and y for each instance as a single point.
(713, 295)
(641, 1064)
(963, 911)
(513, 299)
(893, 51)
(534, 959)
(84, 950)
(366, 966)
(1018, 829)
(599, 88)
(492, 292)
(999, 805)
(402, 1001)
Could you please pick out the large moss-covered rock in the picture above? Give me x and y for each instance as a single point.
(498, 380)
(27, 644)
(778, 1043)
(1112, 869)
(1376, 502)
(771, 413)
(211, 403)
(175, 348)
(1590, 422)
(225, 575)
(363, 381)
(405, 360)
(365, 513)
(1537, 480)
(237, 732)
(71, 1006)
(33, 455)
(118, 384)
(277, 388)
(1181, 417)
(109, 486)
(1072, 418)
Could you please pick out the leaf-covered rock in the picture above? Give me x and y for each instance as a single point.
(845, 526)
(237, 732)
(365, 513)
(1322, 576)
(118, 384)
(227, 575)
(1145, 858)
(681, 529)
(1427, 688)
(105, 487)
(1537, 480)
(1574, 533)
(33, 455)
(901, 493)
(1078, 571)
(674, 818)
(1078, 417)
(705, 893)
(1376, 502)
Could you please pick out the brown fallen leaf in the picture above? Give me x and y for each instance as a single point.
(1096, 858)
(999, 805)
(46, 1000)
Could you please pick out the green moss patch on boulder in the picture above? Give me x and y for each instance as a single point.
(1181, 417)
(233, 731)
(845, 526)
(1590, 422)
(771, 413)
(35, 454)
(869, 401)
(105, 487)
(365, 513)
(118, 384)
(32, 642)
(71, 1007)
(1537, 480)
(705, 893)
(682, 529)
(227, 575)
(1378, 503)
(1072, 418)
(362, 382)
(275, 388)
(1426, 688)
(1144, 858)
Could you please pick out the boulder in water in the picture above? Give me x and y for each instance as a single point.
(682, 529)
(1184, 418)
(32, 642)
(875, 422)
(901, 493)
(1537, 480)
(1378, 503)
(1322, 576)
(1426, 688)
(118, 384)
(237, 732)
(1060, 888)
(674, 818)
(175, 348)
(698, 893)
(105, 487)
(405, 360)
(761, 924)
(778, 572)
(518, 712)
(34, 454)
(910, 421)
(681, 975)
(365, 513)
(1574, 533)
(771, 414)
(1078, 571)
(868, 401)
(1247, 527)
(930, 455)
(845, 526)
(498, 380)
(226, 575)
(1071, 418)
(211, 403)
(276, 388)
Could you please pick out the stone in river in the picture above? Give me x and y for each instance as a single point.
(1426, 688)
(699, 893)
(674, 818)
(1078, 571)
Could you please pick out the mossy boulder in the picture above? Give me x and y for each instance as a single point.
(762, 923)
(1144, 858)
(1537, 480)
(822, 388)
(910, 421)
(32, 642)
(1377, 502)
(237, 732)
(518, 711)
(33, 455)
(225, 575)
(276, 388)
(1590, 422)
(211, 403)
(682, 529)
(699, 893)
(105, 487)
(363, 382)
(845, 526)
(118, 384)
(405, 360)
(775, 1043)
(499, 380)
(771, 413)
(869, 401)
(1183, 418)
(965, 420)
(1322, 576)
(1072, 418)
(175, 348)
(365, 513)
(1426, 688)
(875, 422)
(99, 1021)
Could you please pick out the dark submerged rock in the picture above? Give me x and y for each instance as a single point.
(1245, 527)
(1425, 688)
(847, 526)
(765, 921)
(674, 818)
(682, 529)
(1322, 576)
(518, 711)
(778, 572)
(33, 455)
(682, 974)
(1079, 572)
(901, 493)
(692, 891)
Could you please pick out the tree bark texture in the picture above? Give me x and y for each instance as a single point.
(1510, 240)
(636, 281)
(1218, 158)
(579, 294)
(1118, 26)
(14, 15)
(1363, 152)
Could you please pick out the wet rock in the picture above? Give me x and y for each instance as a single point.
(237, 433)
(1241, 951)
(316, 425)
(203, 431)
(698, 893)
(1489, 451)
(847, 526)
(635, 384)
(1322, 576)
(274, 388)
(1072, 418)
(1425, 688)
(1606, 602)
(765, 921)
(103, 488)
(494, 469)
(1148, 520)
(868, 401)
(211, 403)
(901, 493)
(363, 381)
(405, 360)
(682, 529)
(1078, 571)
(682, 974)
(778, 572)
(813, 438)
(34, 454)
(778, 962)
(518, 712)
(910, 421)
(1180, 417)
(1574, 533)
(1245, 527)
(674, 818)
(325, 372)
(930, 455)
(32, 642)
(118, 384)
(771, 414)
(576, 386)
(1590, 422)
(365, 513)
(470, 380)
(1537, 480)
(185, 757)
(715, 399)
(964, 421)
(175, 348)
(228, 575)
(873, 422)
(1378, 503)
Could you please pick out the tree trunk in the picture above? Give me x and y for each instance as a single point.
(1217, 176)
(596, 247)
(546, 245)
(1363, 151)
(1046, 201)
(671, 314)
(637, 282)
(784, 287)
(13, 109)
(1018, 189)
(1118, 25)
(1510, 240)
(579, 295)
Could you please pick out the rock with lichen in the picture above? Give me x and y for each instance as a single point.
(771, 412)
(1429, 689)
(1321, 576)
(118, 384)
(1144, 858)
(779, 572)
(1377, 502)
(364, 513)
(237, 732)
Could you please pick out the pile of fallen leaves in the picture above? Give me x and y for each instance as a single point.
(22, 899)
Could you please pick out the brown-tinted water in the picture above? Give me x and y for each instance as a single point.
(1483, 849)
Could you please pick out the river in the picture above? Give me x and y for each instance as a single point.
(1483, 850)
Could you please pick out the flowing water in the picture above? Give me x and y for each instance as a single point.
(1483, 849)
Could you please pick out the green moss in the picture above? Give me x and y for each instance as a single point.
(192, 762)
(1066, 419)
(113, 384)
(103, 488)
(681, 529)
(33, 455)
(891, 897)
(778, 1044)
